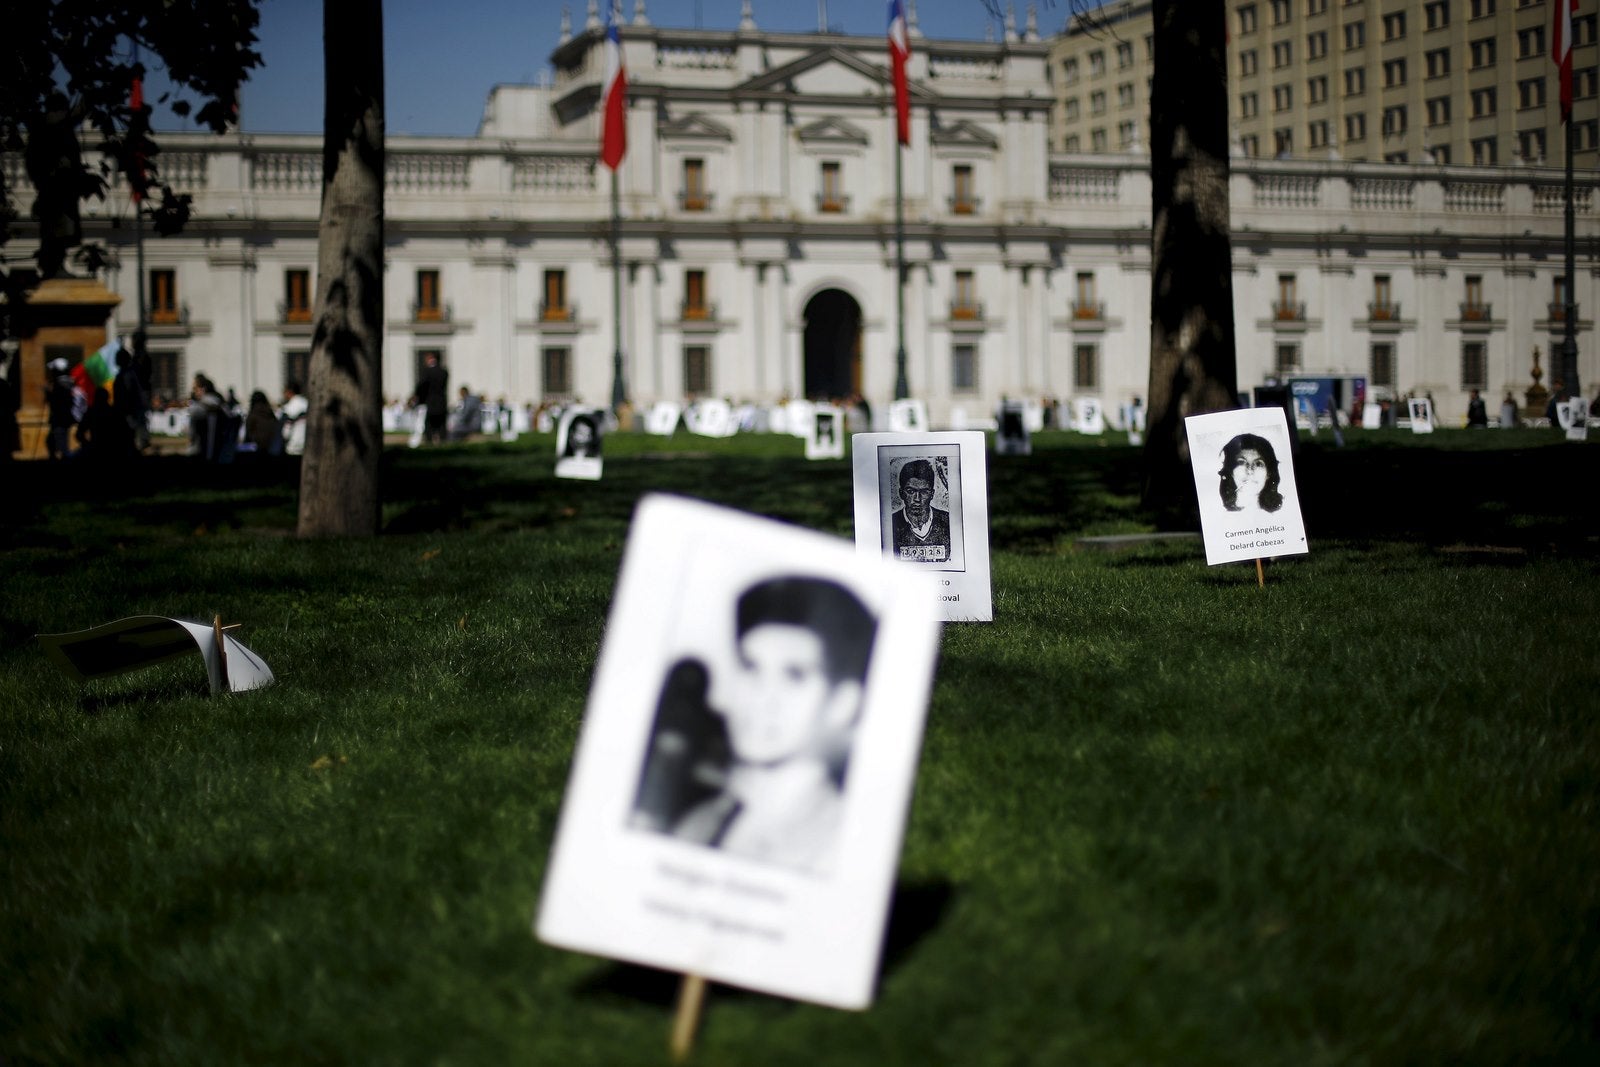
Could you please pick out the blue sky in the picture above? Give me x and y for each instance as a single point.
(441, 60)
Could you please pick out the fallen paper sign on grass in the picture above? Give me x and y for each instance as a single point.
(146, 640)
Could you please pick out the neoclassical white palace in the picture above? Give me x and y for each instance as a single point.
(758, 243)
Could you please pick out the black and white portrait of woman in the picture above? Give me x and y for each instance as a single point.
(1249, 475)
(579, 437)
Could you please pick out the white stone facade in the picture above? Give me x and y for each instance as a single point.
(759, 186)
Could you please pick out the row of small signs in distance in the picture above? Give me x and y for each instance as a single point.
(739, 790)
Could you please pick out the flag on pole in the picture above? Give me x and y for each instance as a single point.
(1561, 52)
(899, 53)
(614, 95)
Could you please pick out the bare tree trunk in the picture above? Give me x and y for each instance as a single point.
(344, 427)
(1192, 364)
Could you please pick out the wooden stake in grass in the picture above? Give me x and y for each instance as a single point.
(222, 648)
(1261, 574)
(691, 996)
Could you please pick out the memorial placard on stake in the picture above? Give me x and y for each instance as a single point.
(924, 499)
(739, 792)
(1088, 416)
(1244, 480)
(826, 439)
(908, 416)
(145, 640)
(578, 443)
(1011, 436)
(1420, 409)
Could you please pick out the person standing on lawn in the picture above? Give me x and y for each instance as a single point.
(432, 394)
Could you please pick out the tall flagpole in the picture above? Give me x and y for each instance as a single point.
(902, 387)
(1569, 313)
(619, 393)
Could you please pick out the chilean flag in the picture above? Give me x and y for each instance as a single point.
(899, 52)
(614, 96)
(1561, 52)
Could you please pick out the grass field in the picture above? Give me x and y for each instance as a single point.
(1162, 816)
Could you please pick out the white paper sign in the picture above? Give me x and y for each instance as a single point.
(1012, 437)
(1421, 411)
(662, 418)
(798, 417)
(826, 440)
(1574, 418)
(924, 499)
(908, 416)
(1371, 416)
(145, 640)
(739, 792)
(1244, 479)
(710, 418)
(579, 438)
(1088, 416)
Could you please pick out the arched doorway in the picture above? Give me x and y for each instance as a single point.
(833, 345)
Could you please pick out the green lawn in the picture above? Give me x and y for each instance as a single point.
(1162, 816)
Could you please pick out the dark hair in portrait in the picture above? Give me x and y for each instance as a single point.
(917, 468)
(1269, 499)
(583, 436)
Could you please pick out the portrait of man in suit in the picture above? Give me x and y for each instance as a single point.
(919, 531)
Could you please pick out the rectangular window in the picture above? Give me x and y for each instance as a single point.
(1441, 154)
(1097, 140)
(164, 296)
(1474, 365)
(1530, 92)
(1282, 54)
(1355, 81)
(297, 296)
(1482, 53)
(696, 370)
(1280, 12)
(1247, 18)
(1472, 305)
(1316, 7)
(963, 198)
(1072, 109)
(1394, 73)
(1355, 127)
(1483, 101)
(1071, 143)
(694, 295)
(166, 377)
(1124, 55)
(1395, 157)
(1583, 29)
(1097, 103)
(554, 308)
(1286, 359)
(1283, 142)
(1247, 63)
(1282, 97)
(1530, 42)
(831, 199)
(1437, 13)
(1127, 134)
(1530, 143)
(1383, 365)
(1317, 44)
(1485, 151)
(964, 368)
(1394, 120)
(1383, 307)
(1438, 62)
(1125, 95)
(1317, 89)
(1394, 25)
(1439, 111)
(694, 185)
(1585, 135)
(1355, 36)
(1250, 145)
(1097, 64)
(1558, 299)
(428, 307)
(964, 302)
(1069, 71)
(1317, 134)
(557, 371)
(1288, 306)
(1085, 304)
(297, 369)
(1482, 9)
(1086, 366)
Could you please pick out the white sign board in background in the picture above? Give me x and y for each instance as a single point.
(923, 499)
(739, 792)
(826, 439)
(1087, 415)
(1420, 408)
(662, 418)
(1244, 479)
(578, 443)
(908, 416)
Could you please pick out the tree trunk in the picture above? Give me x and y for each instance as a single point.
(1192, 365)
(344, 427)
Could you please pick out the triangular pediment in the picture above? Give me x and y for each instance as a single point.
(963, 134)
(694, 126)
(830, 71)
(831, 130)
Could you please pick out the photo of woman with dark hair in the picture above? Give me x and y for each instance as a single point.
(1249, 475)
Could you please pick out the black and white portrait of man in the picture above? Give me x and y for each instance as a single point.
(919, 530)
